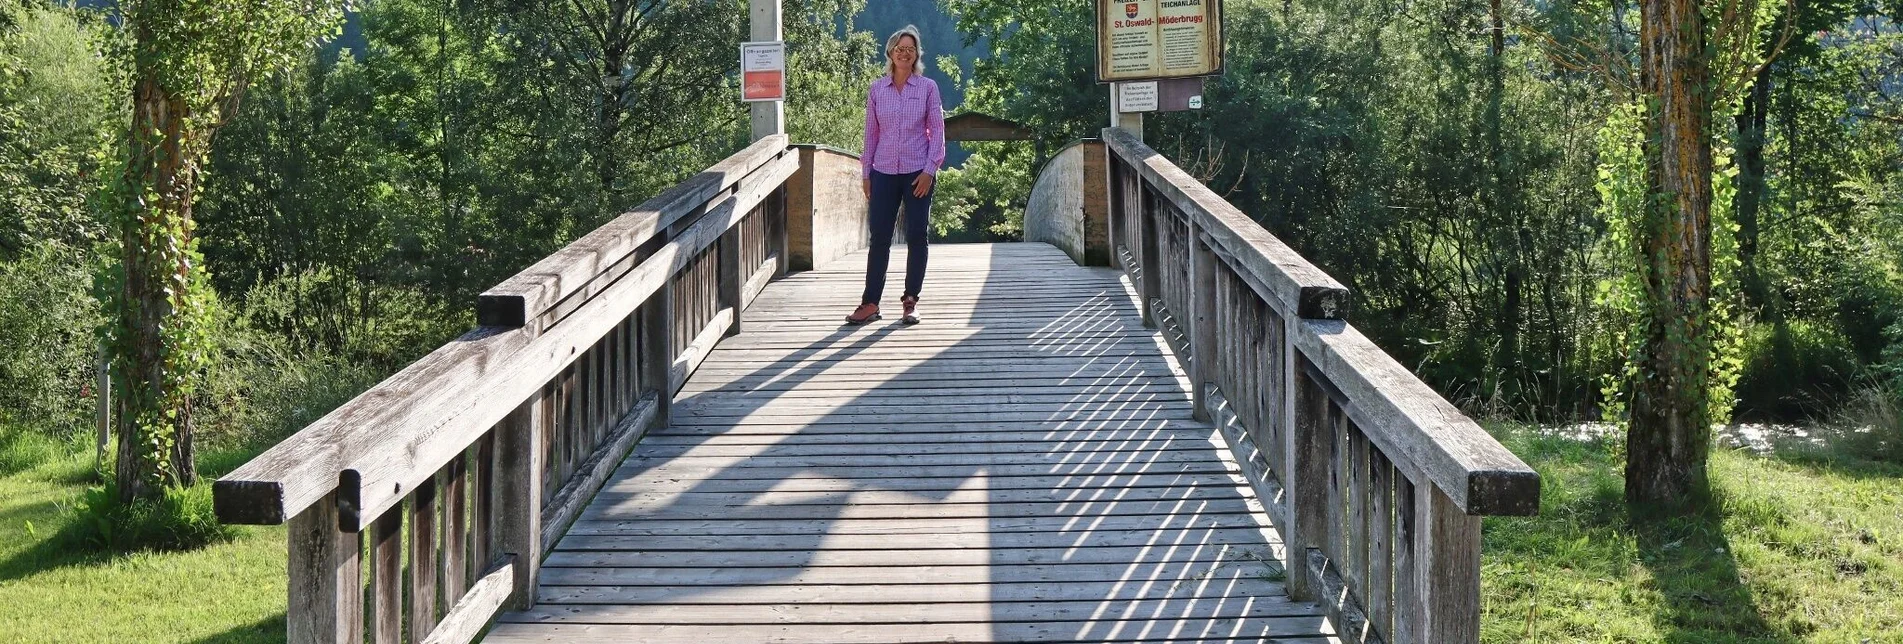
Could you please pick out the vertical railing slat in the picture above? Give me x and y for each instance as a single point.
(423, 560)
(386, 572)
(1380, 593)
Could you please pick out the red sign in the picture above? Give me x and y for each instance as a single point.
(1130, 10)
(763, 86)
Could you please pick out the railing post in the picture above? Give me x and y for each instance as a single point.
(657, 350)
(1444, 604)
(1151, 286)
(1202, 319)
(326, 591)
(1307, 480)
(518, 489)
(732, 274)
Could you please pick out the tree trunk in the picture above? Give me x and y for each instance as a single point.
(1752, 137)
(1670, 433)
(157, 306)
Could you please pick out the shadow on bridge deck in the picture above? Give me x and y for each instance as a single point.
(1021, 467)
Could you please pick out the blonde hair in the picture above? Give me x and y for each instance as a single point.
(892, 42)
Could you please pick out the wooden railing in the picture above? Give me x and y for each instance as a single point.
(467, 466)
(1376, 482)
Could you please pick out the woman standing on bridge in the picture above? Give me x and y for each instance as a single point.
(905, 145)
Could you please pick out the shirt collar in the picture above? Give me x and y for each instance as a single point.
(910, 81)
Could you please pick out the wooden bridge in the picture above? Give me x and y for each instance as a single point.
(664, 432)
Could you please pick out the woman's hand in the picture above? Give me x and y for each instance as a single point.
(922, 185)
(865, 186)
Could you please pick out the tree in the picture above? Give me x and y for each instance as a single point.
(1688, 67)
(191, 61)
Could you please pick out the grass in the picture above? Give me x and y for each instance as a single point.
(55, 591)
(1802, 548)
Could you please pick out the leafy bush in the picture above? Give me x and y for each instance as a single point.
(1795, 371)
(181, 519)
(47, 342)
(265, 390)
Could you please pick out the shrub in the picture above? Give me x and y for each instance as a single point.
(47, 341)
(181, 519)
(1795, 371)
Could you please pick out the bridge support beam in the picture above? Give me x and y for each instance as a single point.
(769, 117)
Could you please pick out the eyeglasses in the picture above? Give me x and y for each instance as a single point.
(905, 50)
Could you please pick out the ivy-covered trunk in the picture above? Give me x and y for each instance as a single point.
(160, 334)
(1670, 433)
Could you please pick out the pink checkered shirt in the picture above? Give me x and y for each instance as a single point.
(905, 128)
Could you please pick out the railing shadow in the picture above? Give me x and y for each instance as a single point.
(1070, 498)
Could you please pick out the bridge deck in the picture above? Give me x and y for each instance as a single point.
(1023, 466)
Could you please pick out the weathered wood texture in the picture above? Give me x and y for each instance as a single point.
(1376, 481)
(451, 463)
(825, 209)
(806, 492)
(1069, 203)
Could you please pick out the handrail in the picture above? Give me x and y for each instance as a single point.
(1376, 482)
(475, 458)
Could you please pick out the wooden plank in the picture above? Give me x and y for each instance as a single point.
(913, 613)
(473, 610)
(567, 271)
(1252, 629)
(726, 472)
(518, 502)
(696, 352)
(1054, 460)
(804, 546)
(1168, 571)
(849, 525)
(423, 561)
(576, 493)
(1144, 436)
(455, 530)
(386, 579)
(1447, 584)
(767, 510)
(1307, 482)
(1379, 595)
(1293, 279)
(1078, 447)
(651, 483)
(1343, 606)
(907, 557)
(1412, 423)
(326, 595)
(1222, 584)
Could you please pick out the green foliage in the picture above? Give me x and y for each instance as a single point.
(47, 346)
(56, 115)
(176, 519)
(828, 71)
(987, 195)
(1800, 370)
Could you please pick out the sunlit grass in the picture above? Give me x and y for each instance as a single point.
(1792, 550)
(55, 590)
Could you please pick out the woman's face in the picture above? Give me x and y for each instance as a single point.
(905, 53)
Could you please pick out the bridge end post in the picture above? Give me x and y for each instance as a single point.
(326, 592)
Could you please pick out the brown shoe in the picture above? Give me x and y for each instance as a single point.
(911, 310)
(865, 313)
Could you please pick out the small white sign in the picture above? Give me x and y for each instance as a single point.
(1196, 102)
(763, 71)
(1136, 97)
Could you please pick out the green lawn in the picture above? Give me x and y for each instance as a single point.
(1803, 551)
(1799, 550)
(231, 592)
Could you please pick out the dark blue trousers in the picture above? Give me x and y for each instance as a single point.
(888, 191)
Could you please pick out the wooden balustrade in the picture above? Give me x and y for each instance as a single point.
(1375, 481)
(465, 467)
